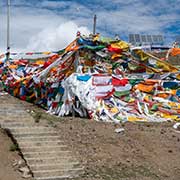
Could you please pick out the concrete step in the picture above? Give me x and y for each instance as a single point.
(4, 119)
(14, 124)
(15, 112)
(44, 154)
(45, 148)
(17, 120)
(41, 143)
(55, 177)
(12, 106)
(50, 160)
(12, 109)
(30, 139)
(34, 134)
(13, 117)
(57, 172)
(60, 165)
(32, 129)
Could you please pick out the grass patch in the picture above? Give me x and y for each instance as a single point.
(14, 147)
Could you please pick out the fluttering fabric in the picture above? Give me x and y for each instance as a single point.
(99, 78)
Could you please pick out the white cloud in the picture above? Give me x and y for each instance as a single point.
(40, 24)
(55, 39)
(29, 24)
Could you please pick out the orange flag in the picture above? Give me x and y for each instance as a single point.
(175, 51)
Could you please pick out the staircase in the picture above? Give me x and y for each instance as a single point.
(45, 153)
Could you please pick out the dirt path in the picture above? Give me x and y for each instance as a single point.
(7, 172)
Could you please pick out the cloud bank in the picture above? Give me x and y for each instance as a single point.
(55, 39)
(52, 24)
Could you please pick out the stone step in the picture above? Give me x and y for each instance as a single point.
(34, 134)
(13, 124)
(14, 114)
(16, 118)
(12, 109)
(21, 124)
(8, 120)
(57, 172)
(43, 154)
(9, 125)
(3, 119)
(29, 139)
(32, 129)
(55, 177)
(41, 143)
(59, 165)
(50, 160)
(11, 106)
(45, 148)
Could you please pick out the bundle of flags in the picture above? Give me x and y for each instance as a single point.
(99, 78)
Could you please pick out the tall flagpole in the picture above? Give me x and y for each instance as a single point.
(94, 24)
(8, 30)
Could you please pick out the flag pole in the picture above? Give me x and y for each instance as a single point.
(94, 25)
(8, 30)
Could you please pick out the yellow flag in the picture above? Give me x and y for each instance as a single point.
(120, 44)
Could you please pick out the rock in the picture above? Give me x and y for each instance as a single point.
(24, 169)
(15, 163)
(26, 173)
(18, 163)
(177, 126)
(119, 130)
(26, 176)
(21, 163)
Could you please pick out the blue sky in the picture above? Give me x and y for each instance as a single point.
(52, 24)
